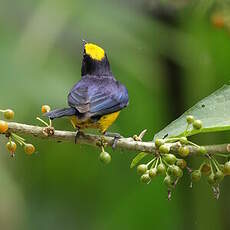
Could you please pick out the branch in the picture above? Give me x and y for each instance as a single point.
(95, 140)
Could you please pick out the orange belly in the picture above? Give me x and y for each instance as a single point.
(102, 124)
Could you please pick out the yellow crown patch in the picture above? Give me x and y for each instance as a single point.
(94, 51)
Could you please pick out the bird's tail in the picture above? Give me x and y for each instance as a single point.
(60, 113)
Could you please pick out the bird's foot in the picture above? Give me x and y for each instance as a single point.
(116, 137)
(78, 134)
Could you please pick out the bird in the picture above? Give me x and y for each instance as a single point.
(96, 100)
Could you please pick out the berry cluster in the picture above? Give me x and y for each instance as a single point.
(171, 163)
(13, 138)
(213, 170)
(164, 163)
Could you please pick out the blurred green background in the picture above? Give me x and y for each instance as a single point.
(169, 54)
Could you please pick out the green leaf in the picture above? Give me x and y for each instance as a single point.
(213, 111)
(137, 158)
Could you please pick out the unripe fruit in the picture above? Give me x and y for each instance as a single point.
(170, 158)
(170, 170)
(190, 119)
(152, 172)
(206, 169)
(183, 151)
(159, 142)
(177, 172)
(227, 168)
(161, 168)
(197, 124)
(145, 178)
(181, 163)
(168, 181)
(11, 146)
(105, 157)
(29, 149)
(219, 176)
(141, 169)
(196, 175)
(164, 149)
(9, 114)
(202, 150)
(45, 109)
(3, 126)
(211, 179)
(183, 140)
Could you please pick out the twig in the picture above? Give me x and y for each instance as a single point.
(95, 140)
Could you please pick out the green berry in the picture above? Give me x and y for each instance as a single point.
(183, 140)
(141, 169)
(170, 170)
(105, 157)
(227, 168)
(161, 169)
(164, 149)
(197, 124)
(190, 119)
(181, 163)
(9, 114)
(183, 151)
(219, 176)
(176, 171)
(168, 181)
(145, 178)
(202, 150)
(196, 175)
(211, 179)
(170, 158)
(159, 142)
(152, 172)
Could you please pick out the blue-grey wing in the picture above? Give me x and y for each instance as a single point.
(98, 96)
(78, 97)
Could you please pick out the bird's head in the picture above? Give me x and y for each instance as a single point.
(95, 61)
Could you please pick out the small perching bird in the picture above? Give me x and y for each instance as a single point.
(97, 99)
